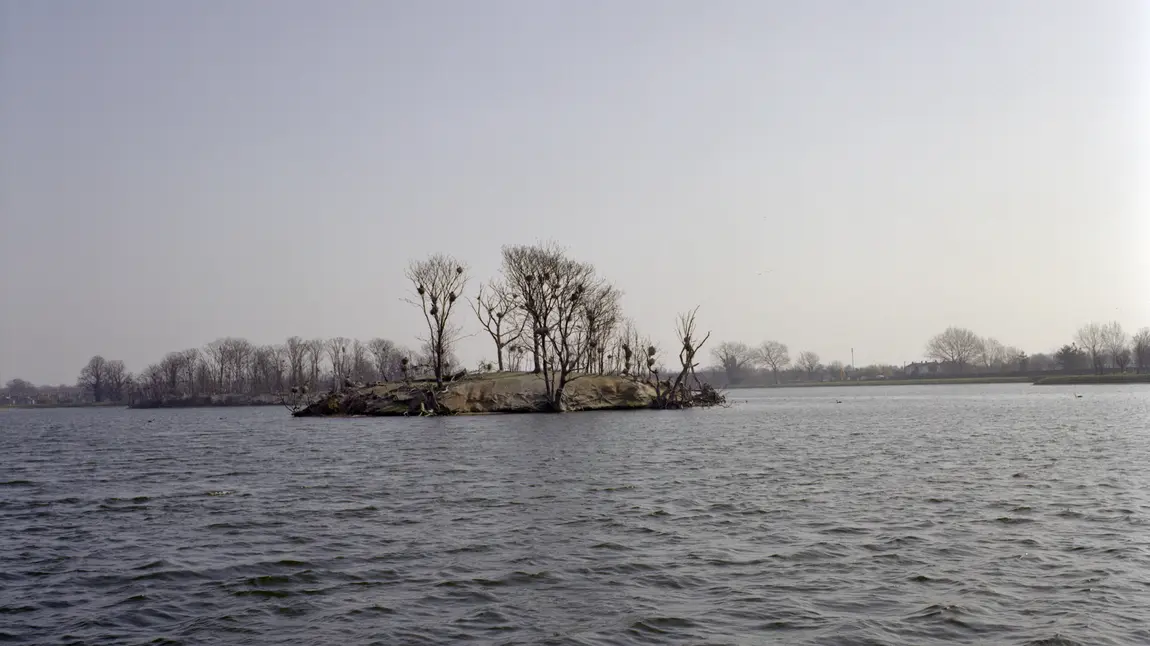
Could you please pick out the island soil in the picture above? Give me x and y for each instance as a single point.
(501, 392)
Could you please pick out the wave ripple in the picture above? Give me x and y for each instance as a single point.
(932, 515)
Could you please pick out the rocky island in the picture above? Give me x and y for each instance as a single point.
(501, 392)
(547, 305)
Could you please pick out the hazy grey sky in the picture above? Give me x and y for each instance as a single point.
(173, 172)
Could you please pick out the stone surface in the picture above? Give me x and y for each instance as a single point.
(505, 392)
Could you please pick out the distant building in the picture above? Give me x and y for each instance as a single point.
(923, 369)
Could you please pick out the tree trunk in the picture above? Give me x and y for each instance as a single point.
(535, 354)
(438, 365)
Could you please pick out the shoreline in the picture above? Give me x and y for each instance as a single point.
(1094, 380)
(1048, 380)
(957, 381)
(85, 405)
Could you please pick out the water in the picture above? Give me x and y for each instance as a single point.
(1004, 514)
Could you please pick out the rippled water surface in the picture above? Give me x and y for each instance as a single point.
(1003, 514)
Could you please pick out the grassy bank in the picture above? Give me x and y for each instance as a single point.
(899, 382)
(1084, 380)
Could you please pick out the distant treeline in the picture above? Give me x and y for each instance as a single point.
(955, 352)
(226, 366)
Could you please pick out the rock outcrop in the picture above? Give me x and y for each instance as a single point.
(505, 392)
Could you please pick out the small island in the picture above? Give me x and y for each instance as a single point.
(546, 305)
(476, 394)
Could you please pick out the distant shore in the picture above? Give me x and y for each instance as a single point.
(64, 405)
(204, 401)
(895, 382)
(1051, 380)
(209, 401)
(1086, 380)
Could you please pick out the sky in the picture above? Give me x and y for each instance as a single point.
(829, 174)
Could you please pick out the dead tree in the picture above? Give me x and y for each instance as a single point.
(680, 393)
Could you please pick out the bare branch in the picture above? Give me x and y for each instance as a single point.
(439, 282)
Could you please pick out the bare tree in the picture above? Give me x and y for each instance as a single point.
(217, 355)
(563, 289)
(553, 291)
(515, 356)
(230, 359)
(240, 352)
(522, 265)
(1117, 344)
(172, 365)
(1141, 347)
(93, 377)
(1092, 338)
(734, 358)
(1014, 359)
(296, 358)
(152, 383)
(1122, 359)
(955, 345)
(601, 313)
(678, 393)
(361, 369)
(259, 370)
(498, 312)
(628, 342)
(337, 351)
(438, 281)
(991, 353)
(386, 357)
(424, 361)
(190, 361)
(116, 377)
(315, 348)
(279, 366)
(203, 376)
(809, 362)
(774, 355)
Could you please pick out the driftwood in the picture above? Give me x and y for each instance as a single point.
(681, 393)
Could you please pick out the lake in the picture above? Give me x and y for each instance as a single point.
(1005, 514)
